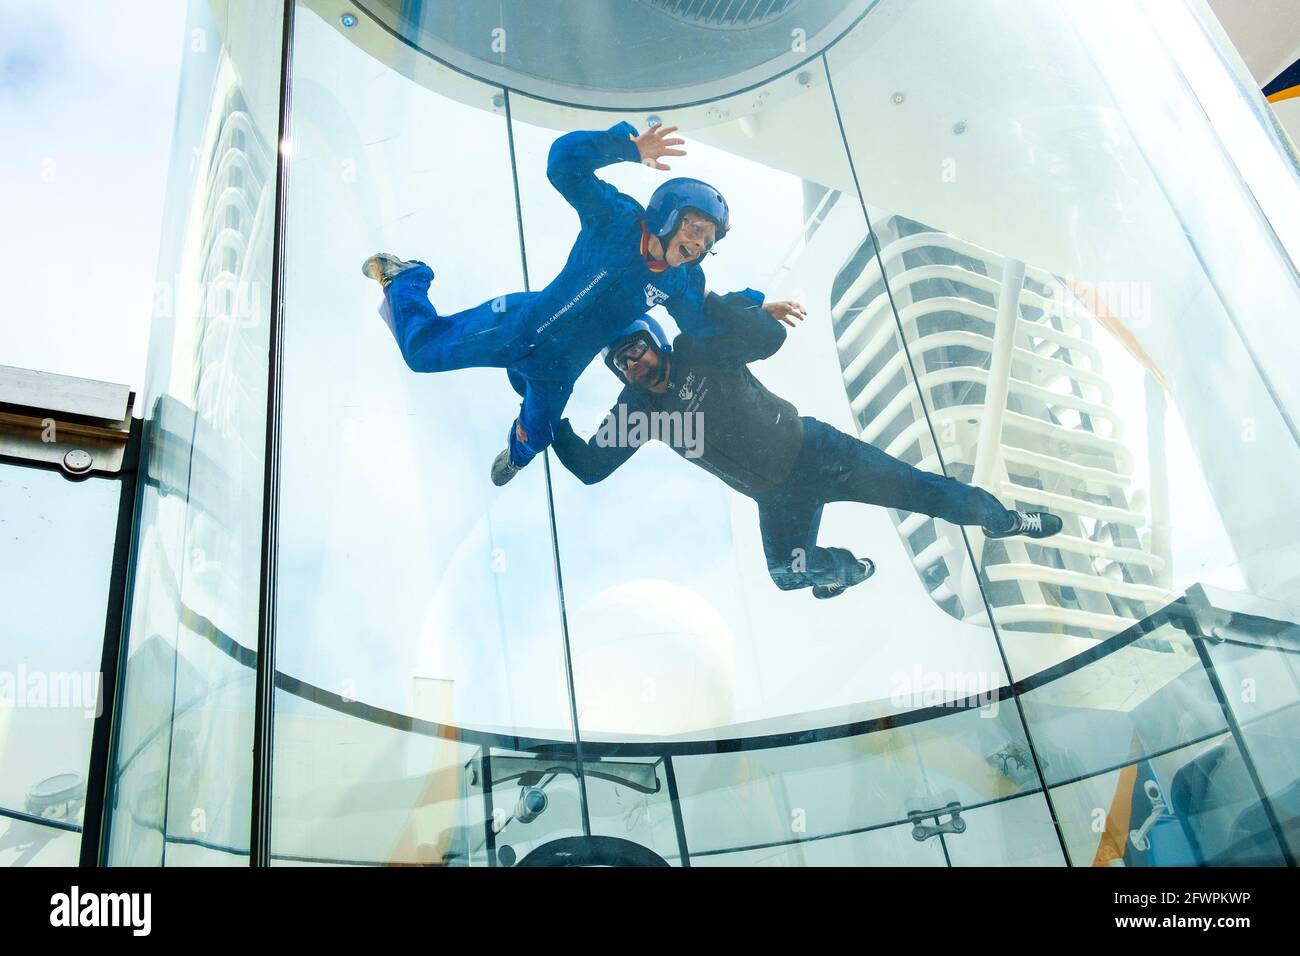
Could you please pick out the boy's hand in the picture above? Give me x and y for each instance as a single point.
(786, 312)
(652, 144)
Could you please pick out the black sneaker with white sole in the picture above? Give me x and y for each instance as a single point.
(1031, 524)
(503, 468)
(824, 592)
(382, 266)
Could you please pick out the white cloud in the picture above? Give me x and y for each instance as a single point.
(87, 102)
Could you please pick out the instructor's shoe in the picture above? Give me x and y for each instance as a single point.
(382, 266)
(1032, 524)
(503, 468)
(823, 592)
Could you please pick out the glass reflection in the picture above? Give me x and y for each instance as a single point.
(1019, 832)
(407, 582)
(1193, 806)
(1110, 400)
(406, 797)
(26, 843)
(54, 577)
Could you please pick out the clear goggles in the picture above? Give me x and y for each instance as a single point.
(700, 230)
(630, 352)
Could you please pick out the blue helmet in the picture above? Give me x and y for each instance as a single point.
(671, 199)
(644, 327)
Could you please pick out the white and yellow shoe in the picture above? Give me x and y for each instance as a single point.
(382, 266)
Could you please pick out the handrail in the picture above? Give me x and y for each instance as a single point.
(1174, 612)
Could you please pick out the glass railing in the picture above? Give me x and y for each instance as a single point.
(1146, 758)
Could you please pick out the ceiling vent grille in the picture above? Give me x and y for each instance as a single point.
(724, 14)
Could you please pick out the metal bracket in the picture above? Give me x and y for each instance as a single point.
(923, 831)
(1138, 837)
(529, 771)
(80, 425)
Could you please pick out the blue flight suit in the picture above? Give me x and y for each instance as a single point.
(545, 339)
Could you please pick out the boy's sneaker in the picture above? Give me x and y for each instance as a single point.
(503, 469)
(1032, 524)
(382, 266)
(823, 592)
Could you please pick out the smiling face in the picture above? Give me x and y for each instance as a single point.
(642, 365)
(694, 237)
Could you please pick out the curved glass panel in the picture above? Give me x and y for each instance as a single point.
(406, 580)
(184, 730)
(889, 778)
(682, 627)
(1108, 383)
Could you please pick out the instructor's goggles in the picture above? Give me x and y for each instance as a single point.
(630, 353)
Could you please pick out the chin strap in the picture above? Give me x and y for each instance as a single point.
(645, 247)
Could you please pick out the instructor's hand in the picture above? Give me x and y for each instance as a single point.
(787, 312)
(654, 143)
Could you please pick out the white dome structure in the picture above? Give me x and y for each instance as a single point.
(651, 658)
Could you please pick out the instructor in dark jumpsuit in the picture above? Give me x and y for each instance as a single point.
(724, 420)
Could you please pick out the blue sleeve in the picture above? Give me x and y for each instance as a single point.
(574, 159)
(697, 313)
(741, 331)
(687, 307)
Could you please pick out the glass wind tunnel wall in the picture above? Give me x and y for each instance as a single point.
(1030, 263)
(182, 779)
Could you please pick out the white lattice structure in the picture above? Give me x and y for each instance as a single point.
(1054, 438)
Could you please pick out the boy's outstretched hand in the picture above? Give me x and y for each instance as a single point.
(653, 143)
(786, 312)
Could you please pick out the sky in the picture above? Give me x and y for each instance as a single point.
(87, 103)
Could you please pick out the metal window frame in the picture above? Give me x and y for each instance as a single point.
(259, 846)
(99, 783)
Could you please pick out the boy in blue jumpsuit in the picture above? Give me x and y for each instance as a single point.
(626, 260)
